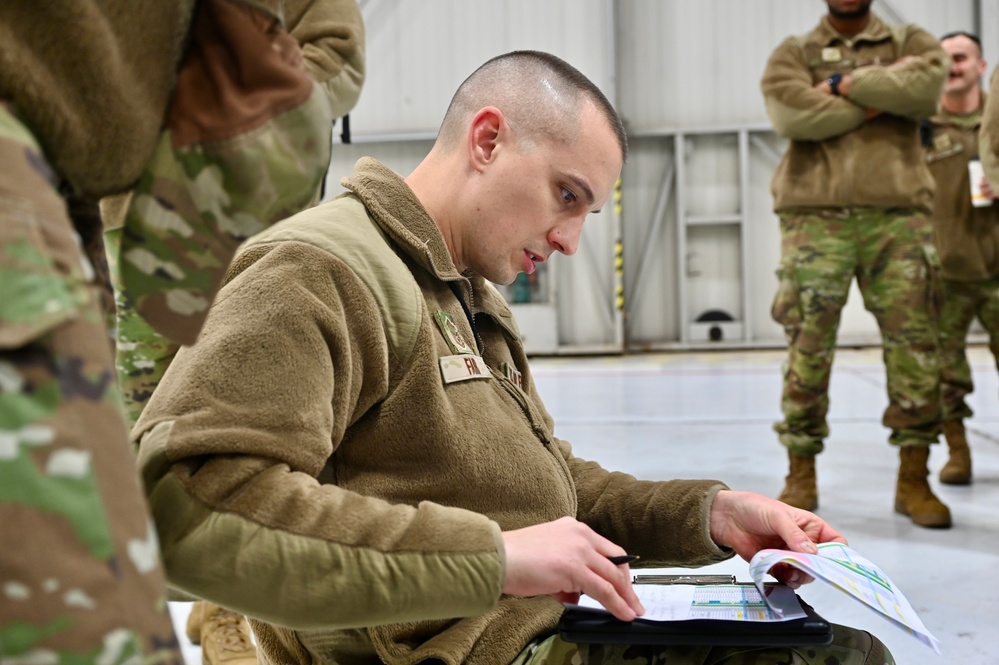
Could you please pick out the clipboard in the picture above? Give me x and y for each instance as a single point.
(585, 626)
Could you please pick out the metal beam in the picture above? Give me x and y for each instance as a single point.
(658, 220)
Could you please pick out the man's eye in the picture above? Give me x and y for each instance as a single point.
(567, 196)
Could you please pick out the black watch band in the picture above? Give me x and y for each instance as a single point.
(833, 82)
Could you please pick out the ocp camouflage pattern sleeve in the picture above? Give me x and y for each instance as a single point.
(228, 164)
(175, 253)
(42, 279)
(80, 576)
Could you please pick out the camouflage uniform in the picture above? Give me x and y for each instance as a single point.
(964, 301)
(142, 355)
(332, 39)
(895, 264)
(849, 647)
(84, 584)
(69, 496)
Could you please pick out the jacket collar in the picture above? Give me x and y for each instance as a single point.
(826, 35)
(395, 208)
(397, 211)
(974, 119)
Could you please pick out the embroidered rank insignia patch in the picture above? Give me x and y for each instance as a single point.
(463, 367)
(515, 377)
(831, 54)
(455, 340)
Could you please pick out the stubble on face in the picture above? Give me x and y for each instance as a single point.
(849, 10)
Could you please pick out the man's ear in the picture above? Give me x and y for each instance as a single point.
(484, 133)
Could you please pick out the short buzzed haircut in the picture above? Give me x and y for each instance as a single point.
(962, 33)
(541, 97)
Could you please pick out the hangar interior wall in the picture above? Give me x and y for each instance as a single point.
(693, 235)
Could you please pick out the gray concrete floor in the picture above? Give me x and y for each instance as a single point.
(709, 415)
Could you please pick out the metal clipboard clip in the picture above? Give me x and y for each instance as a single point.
(684, 579)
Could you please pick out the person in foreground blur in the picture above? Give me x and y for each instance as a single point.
(854, 194)
(988, 136)
(967, 236)
(199, 107)
(331, 36)
(356, 445)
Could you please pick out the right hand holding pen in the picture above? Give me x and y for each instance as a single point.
(565, 558)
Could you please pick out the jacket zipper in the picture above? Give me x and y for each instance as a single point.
(538, 429)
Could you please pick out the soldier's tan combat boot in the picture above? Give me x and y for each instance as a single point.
(957, 470)
(800, 489)
(224, 636)
(913, 496)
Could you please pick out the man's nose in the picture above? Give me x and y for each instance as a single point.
(565, 237)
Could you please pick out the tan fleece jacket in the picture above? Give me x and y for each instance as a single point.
(967, 237)
(836, 158)
(308, 465)
(93, 79)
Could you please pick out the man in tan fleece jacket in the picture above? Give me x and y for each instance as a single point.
(853, 195)
(967, 237)
(355, 454)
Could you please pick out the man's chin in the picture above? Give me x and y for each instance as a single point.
(503, 278)
(851, 14)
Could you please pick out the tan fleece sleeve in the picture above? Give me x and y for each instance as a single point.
(988, 137)
(241, 427)
(331, 33)
(666, 522)
(909, 88)
(796, 109)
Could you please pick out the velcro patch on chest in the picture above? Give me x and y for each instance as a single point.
(513, 375)
(463, 368)
(831, 54)
(455, 340)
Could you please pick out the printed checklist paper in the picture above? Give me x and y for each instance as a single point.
(731, 602)
(834, 564)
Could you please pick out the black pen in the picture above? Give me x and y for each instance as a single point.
(626, 558)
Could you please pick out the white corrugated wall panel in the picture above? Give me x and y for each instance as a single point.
(419, 52)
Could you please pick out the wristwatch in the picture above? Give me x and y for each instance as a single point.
(833, 82)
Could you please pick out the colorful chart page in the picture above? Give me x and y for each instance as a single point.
(848, 571)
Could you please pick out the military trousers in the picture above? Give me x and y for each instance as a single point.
(963, 302)
(892, 256)
(80, 574)
(142, 355)
(849, 647)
